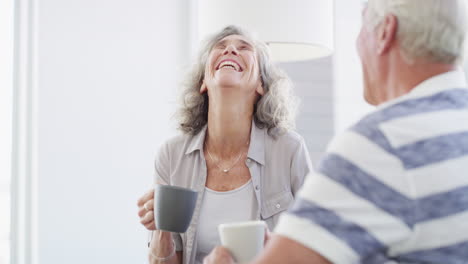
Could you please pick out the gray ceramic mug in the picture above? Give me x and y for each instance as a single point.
(173, 207)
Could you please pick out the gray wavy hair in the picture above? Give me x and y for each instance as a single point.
(430, 29)
(275, 110)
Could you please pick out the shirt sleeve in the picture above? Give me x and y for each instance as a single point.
(162, 165)
(347, 213)
(301, 166)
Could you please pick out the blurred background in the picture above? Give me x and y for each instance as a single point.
(87, 93)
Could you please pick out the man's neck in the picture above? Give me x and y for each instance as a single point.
(403, 79)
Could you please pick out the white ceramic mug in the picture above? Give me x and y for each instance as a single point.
(243, 239)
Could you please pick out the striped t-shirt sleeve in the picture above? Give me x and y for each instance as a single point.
(349, 210)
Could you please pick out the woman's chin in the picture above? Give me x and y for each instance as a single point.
(227, 82)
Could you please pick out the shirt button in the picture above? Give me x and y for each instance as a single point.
(256, 187)
(278, 206)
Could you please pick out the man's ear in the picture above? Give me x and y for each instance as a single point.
(386, 34)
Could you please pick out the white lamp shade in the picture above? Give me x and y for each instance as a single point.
(294, 29)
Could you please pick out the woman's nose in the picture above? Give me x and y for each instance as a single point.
(230, 49)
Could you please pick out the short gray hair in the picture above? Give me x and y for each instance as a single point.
(428, 29)
(275, 110)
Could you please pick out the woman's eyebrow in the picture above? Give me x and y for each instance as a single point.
(221, 42)
(245, 43)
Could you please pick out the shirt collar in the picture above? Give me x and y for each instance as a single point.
(256, 147)
(435, 84)
(196, 142)
(257, 144)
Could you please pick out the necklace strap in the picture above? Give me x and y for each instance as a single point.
(226, 170)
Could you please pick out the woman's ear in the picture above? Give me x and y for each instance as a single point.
(203, 88)
(259, 89)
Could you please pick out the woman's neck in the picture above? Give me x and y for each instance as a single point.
(229, 126)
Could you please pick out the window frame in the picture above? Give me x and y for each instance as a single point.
(23, 230)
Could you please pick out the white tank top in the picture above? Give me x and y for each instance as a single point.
(223, 207)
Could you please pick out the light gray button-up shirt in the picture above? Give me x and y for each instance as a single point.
(277, 165)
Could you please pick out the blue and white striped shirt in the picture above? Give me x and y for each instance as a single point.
(394, 187)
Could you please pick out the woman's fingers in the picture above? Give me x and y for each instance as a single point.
(149, 205)
(146, 197)
(151, 226)
(141, 211)
(146, 207)
(267, 236)
(147, 218)
(145, 210)
(148, 221)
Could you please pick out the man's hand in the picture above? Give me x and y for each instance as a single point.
(219, 255)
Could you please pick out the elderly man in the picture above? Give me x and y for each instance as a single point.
(394, 187)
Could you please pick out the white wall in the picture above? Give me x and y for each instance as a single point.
(313, 84)
(108, 71)
(349, 103)
(331, 88)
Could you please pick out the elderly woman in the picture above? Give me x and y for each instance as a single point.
(237, 148)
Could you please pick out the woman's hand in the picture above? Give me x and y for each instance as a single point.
(145, 210)
(219, 255)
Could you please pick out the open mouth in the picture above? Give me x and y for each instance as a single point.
(229, 64)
